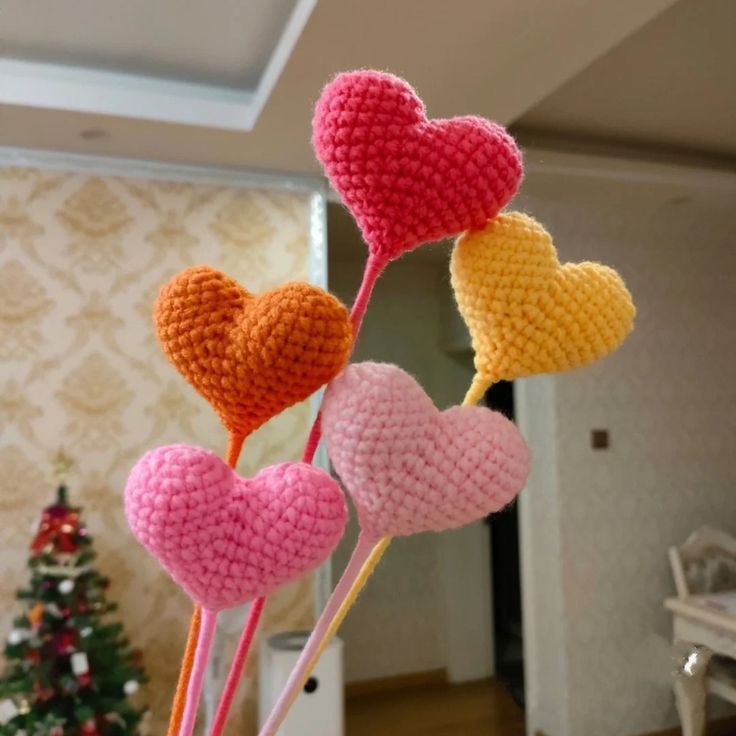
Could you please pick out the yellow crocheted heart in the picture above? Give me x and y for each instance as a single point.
(526, 312)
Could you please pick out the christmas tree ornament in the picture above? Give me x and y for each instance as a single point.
(64, 641)
(115, 718)
(89, 728)
(41, 692)
(67, 566)
(8, 710)
(18, 636)
(53, 609)
(79, 663)
(33, 655)
(66, 587)
(36, 612)
(131, 687)
(58, 528)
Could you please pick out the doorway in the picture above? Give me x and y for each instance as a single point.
(506, 573)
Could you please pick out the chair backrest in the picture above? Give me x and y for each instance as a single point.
(705, 563)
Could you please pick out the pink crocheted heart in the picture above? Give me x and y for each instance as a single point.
(227, 539)
(408, 180)
(410, 468)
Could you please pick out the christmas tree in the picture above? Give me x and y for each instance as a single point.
(68, 671)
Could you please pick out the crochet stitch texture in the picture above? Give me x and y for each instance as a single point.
(251, 356)
(225, 539)
(528, 314)
(408, 180)
(410, 468)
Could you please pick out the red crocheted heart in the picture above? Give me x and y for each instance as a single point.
(408, 180)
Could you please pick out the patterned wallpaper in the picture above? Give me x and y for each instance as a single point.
(81, 259)
(668, 399)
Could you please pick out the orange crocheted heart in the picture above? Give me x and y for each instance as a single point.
(251, 356)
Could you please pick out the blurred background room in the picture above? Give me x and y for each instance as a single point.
(139, 138)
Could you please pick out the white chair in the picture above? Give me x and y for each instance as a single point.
(704, 569)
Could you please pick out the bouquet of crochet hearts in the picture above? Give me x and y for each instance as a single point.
(408, 467)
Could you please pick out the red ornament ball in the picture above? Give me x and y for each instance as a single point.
(89, 728)
(64, 641)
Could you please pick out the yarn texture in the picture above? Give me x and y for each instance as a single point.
(251, 356)
(526, 312)
(225, 539)
(411, 468)
(408, 180)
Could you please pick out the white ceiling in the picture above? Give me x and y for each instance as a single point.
(672, 84)
(505, 59)
(221, 42)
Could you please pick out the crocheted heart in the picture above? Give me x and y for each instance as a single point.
(408, 180)
(527, 313)
(251, 356)
(227, 539)
(410, 468)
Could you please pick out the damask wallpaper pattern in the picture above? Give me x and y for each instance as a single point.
(81, 259)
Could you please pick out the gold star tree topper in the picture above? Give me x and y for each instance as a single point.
(61, 464)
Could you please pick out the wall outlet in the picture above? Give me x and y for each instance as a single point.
(599, 439)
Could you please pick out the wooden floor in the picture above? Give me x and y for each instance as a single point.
(475, 709)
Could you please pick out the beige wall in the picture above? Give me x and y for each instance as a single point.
(81, 258)
(597, 524)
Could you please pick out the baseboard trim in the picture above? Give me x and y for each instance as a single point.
(397, 682)
(720, 727)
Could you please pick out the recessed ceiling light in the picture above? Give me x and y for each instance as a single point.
(94, 134)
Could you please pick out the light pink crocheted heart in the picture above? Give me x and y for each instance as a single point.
(410, 468)
(227, 539)
(408, 180)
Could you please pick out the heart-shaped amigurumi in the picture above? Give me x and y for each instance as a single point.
(227, 539)
(528, 314)
(251, 356)
(408, 180)
(411, 468)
